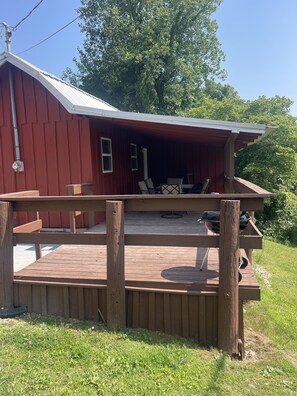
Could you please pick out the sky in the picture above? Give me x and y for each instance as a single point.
(258, 37)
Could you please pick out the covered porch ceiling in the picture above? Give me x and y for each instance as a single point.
(206, 132)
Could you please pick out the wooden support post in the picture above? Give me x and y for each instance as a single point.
(116, 308)
(228, 321)
(249, 252)
(6, 256)
(229, 163)
(38, 251)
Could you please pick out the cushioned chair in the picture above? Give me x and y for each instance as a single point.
(151, 188)
(171, 189)
(205, 186)
(143, 187)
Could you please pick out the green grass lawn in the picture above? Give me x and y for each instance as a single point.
(50, 356)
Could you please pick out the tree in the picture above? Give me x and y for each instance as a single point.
(271, 162)
(148, 55)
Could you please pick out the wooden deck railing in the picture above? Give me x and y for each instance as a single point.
(33, 226)
(78, 190)
(229, 241)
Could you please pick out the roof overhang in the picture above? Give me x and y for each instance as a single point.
(76, 101)
(190, 130)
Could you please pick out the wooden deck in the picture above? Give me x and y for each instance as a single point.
(146, 267)
(141, 270)
(165, 290)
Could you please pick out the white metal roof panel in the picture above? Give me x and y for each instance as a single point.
(69, 96)
(79, 102)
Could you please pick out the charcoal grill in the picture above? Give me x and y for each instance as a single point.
(212, 222)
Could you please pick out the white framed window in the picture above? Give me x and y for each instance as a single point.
(106, 154)
(134, 158)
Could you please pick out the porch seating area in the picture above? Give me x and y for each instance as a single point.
(173, 186)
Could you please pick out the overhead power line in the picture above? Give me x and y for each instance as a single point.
(27, 16)
(47, 38)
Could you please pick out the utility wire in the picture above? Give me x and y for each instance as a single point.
(28, 49)
(27, 16)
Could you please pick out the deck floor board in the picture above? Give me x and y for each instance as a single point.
(145, 266)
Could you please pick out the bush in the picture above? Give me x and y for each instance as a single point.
(279, 218)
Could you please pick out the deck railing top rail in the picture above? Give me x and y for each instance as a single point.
(190, 202)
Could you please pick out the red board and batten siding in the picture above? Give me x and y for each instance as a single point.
(122, 180)
(59, 149)
(168, 159)
(55, 145)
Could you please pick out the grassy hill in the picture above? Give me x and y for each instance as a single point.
(56, 357)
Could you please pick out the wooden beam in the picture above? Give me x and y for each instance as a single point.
(6, 256)
(189, 202)
(80, 189)
(35, 225)
(228, 321)
(244, 186)
(229, 150)
(38, 250)
(77, 189)
(27, 193)
(61, 238)
(183, 240)
(116, 307)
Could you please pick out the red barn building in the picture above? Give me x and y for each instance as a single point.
(53, 134)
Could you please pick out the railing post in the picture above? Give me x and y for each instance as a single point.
(249, 252)
(229, 163)
(116, 308)
(228, 321)
(6, 256)
(38, 247)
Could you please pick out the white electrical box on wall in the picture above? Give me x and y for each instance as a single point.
(18, 166)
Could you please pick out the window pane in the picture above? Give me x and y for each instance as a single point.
(133, 150)
(107, 165)
(106, 146)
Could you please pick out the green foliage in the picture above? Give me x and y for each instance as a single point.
(150, 55)
(272, 162)
(279, 219)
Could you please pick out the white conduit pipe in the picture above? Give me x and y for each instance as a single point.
(14, 117)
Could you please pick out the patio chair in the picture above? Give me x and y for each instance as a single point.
(171, 189)
(205, 186)
(143, 187)
(151, 188)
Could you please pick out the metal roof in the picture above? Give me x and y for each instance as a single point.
(68, 95)
(79, 102)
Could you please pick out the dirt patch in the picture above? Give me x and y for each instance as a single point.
(257, 346)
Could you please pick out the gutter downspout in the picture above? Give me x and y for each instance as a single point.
(18, 165)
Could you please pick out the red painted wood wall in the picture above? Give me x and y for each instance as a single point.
(59, 149)
(55, 145)
(177, 159)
